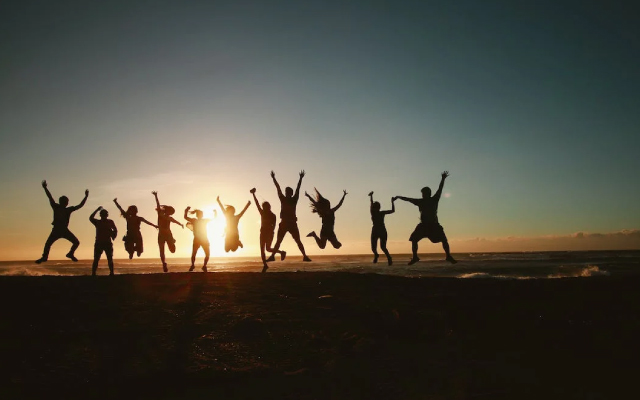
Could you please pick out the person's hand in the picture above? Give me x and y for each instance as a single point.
(301, 174)
(445, 174)
(394, 199)
(86, 192)
(44, 184)
(273, 174)
(99, 208)
(345, 192)
(154, 193)
(188, 208)
(252, 191)
(181, 226)
(218, 198)
(306, 194)
(249, 202)
(371, 193)
(115, 200)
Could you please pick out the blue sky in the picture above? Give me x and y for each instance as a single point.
(531, 107)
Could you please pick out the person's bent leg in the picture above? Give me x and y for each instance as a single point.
(75, 243)
(162, 257)
(383, 246)
(109, 253)
(374, 246)
(206, 256)
(281, 232)
(194, 251)
(97, 252)
(333, 239)
(53, 236)
(267, 241)
(445, 246)
(139, 245)
(414, 251)
(295, 233)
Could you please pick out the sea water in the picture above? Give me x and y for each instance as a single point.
(520, 265)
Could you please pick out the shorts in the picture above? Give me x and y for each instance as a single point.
(105, 247)
(432, 231)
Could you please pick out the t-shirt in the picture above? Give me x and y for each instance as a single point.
(200, 229)
(133, 223)
(377, 217)
(104, 229)
(164, 222)
(268, 221)
(61, 216)
(288, 208)
(428, 209)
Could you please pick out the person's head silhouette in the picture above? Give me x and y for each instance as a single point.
(104, 214)
(198, 214)
(132, 210)
(288, 191)
(230, 210)
(63, 200)
(266, 206)
(426, 192)
(375, 206)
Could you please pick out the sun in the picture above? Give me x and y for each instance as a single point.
(215, 230)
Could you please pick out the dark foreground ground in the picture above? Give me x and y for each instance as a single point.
(318, 336)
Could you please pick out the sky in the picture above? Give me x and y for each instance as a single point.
(531, 106)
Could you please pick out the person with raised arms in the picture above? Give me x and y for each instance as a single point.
(288, 218)
(267, 229)
(429, 227)
(379, 230)
(60, 230)
(321, 206)
(199, 227)
(106, 231)
(133, 238)
(164, 229)
(231, 234)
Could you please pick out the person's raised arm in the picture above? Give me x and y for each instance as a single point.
(253, 192)
(176, 222)
(409, 199)
(92, 217)
(46, 190)
(445, 174)
(124, 214)
(244, 209)
(310, 198)
(220, 204)
(155, 194)
(79, 206)
(186, 211)
(371, 198)
(297, 194)
(334, 209)
(148, 223)
(393, 207)
(275, 182)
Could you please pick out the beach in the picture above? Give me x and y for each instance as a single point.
(317, 335)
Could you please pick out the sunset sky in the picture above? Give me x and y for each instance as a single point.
(533, 108)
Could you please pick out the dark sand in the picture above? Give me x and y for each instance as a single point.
(318, 336)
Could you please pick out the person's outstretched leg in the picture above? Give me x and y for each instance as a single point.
(97, 252)
(162, 257)
(374, 246)
(75, 243)
(194, 250)
(383, 246)
(445, 246)
(414, 250)
(281, 232)
(53, 236)
(206, 256)
(263, 256)
(295, 233)
(139, 245)
(109, 252)
(334, 241)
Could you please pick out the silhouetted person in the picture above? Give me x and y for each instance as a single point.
(288, 219)
(106, 231)
(429, 227)
(133, 238)
(322, 207)
(164, 229)
(379, 230)
(231, 234)
(267, 228)
(61, 215)
(199, 227)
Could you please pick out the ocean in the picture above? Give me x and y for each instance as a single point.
(519, 265)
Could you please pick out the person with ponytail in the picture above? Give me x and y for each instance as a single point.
(133, 238)
(199, 227)
(164, 229)
(322, 207)
(379, 230)
(231, 235)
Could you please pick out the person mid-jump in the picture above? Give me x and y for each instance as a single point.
(429, 227)
(61, 216)
(288, 219)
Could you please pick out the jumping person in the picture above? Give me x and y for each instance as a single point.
(379, 230)
(199, 227)
(60, 230)
(164, 229)
(133, 238)
(106, 231)
(231, 235)
(288, 219)
(429, 227)
(321, 206)
(267, 227)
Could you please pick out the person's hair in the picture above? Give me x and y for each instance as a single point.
(132, 210)
(320, 205)
(375, 206)
(230, 210)
(426, 190)
(288, 191)
(266, 205)
(104, 213)
(63, 200)
(167, 210)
